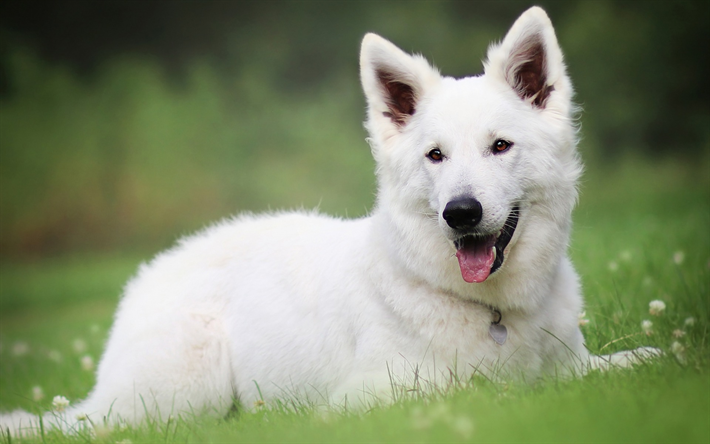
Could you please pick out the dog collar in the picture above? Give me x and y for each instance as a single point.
(496, 330)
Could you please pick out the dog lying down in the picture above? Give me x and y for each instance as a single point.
(461, 267)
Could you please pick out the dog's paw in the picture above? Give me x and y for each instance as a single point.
(646, 353)
(626, 358)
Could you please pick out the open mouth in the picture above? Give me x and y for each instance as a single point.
(480, 255)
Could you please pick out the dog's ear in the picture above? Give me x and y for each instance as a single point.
(393, 81)
(530, 60)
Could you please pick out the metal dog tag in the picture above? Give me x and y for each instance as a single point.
(498, 332)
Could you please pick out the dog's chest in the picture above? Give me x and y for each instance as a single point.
(454, 329)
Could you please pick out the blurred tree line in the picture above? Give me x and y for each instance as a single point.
(126, 123)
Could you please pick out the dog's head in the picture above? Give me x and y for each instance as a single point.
(479, 158)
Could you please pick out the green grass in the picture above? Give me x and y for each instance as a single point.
(634, 222)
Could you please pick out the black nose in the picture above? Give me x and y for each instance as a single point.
(463, 213)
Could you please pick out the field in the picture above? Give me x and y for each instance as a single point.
(114, 146)
(640, 235)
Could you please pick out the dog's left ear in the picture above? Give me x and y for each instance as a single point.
(530, 60)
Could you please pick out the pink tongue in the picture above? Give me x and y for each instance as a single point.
(476, 261)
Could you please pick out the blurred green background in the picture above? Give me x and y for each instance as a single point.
(126, 124)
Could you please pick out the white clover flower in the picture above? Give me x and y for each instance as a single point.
(101, 431)
(439, 411)
(37, 393)
(463, 426)
(677, 347)
(678, 333)
(79, 345)
(625, 255)
(420, 421)
(647, 327)
(80, 416)
(20, 348)
(87, 363)
(656, 307)
(60, 403)
(679, 351)
(613, 266)
(581, 321)
(678, 257)
(617, 317)
(689, 322)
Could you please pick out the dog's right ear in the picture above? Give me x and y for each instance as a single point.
(393, 81)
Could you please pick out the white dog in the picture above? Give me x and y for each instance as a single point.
(461, 268)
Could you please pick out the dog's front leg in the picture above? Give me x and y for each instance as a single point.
(623, 359)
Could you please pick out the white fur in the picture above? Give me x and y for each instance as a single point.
(356, 311)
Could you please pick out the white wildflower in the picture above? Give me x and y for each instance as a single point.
(679, 351)
(678, 257)
(656, 307)
(613, 266)
(689, 322)
(617, 316)
(581, 319)
(328, 416)
(647, 327)
(102, 431)
(678, 333)
(87, 363)
(79, 345)
(463, 426)
(439, 411)
(677, 347)
(420, 421)
(60, 403)
(80, 416)
(20, 348)
(37, 393)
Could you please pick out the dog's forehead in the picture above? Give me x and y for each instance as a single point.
(472, 103)
(470, 96)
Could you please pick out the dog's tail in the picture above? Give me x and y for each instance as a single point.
(19, 423)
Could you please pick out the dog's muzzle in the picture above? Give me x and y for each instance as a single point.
(479, 254)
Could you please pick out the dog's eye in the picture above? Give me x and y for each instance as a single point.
(435, 155)
(501, 145)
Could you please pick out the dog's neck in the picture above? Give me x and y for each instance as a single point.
(431, 261)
